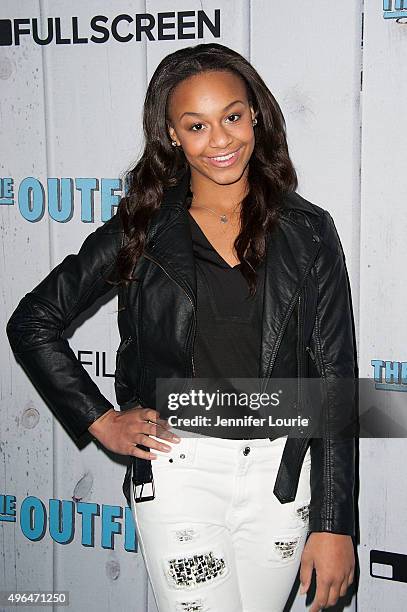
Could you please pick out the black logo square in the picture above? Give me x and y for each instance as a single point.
(6, 37)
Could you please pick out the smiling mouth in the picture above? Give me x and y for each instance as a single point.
(225, 160)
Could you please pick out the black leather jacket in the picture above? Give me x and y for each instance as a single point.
(307, 331)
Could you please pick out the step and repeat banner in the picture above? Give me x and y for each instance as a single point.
(73, 76)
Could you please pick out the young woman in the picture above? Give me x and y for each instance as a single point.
(223, 271)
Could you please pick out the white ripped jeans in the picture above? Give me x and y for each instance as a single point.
(215, 538)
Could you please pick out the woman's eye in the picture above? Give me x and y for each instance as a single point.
(234, 115)
(199, 125)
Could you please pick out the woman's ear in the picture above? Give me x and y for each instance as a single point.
(253, 113)
(172, 133)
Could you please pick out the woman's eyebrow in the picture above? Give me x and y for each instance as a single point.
(202, 114)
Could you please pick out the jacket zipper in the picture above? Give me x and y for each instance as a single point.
(327, 443)
(125, 344)
(120, 350)
(190, 299)
(312, 354)
(302, 301)
(280, 336)
(300, 349)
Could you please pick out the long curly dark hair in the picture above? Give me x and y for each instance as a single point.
(271, 172)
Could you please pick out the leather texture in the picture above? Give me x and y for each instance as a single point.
(307, 330)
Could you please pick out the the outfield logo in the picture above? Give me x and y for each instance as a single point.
(395, 9)
(123, 28)
(390, 375)
(65, 520)
(96, 198)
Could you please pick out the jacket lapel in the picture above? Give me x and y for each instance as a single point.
(291, 249)
(170, 239)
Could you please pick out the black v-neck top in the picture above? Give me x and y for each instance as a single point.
(228, 334)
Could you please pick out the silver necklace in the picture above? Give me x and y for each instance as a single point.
(223, 218)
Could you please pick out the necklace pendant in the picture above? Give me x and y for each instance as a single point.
(223, 219)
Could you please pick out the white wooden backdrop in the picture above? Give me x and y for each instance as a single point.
(383, 500)
(75, 111)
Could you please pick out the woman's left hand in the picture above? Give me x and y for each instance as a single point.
(333, 557)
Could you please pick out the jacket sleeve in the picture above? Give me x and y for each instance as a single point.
(35, 329)
(333, 454)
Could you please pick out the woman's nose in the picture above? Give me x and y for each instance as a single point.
(219, 137)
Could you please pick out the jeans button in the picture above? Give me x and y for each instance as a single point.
(246, 450)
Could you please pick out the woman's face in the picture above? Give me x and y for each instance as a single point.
(210, 117)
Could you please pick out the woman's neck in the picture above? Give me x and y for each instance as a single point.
(223, 198)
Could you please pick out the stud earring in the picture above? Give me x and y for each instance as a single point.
(174, 143)
(254, 122)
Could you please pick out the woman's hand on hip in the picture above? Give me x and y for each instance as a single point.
(332, 555)
(119, 432)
